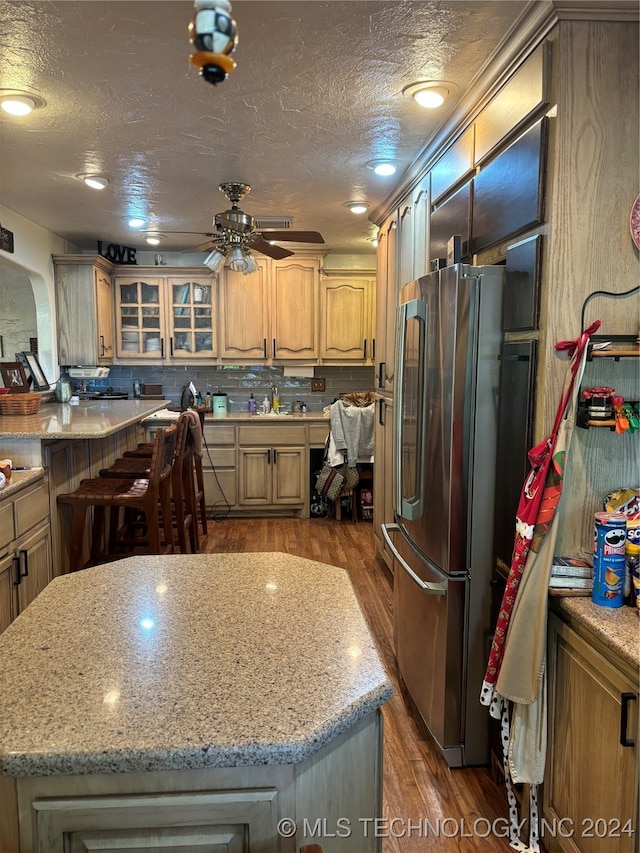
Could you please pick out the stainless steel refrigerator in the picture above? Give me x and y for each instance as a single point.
(445, 410)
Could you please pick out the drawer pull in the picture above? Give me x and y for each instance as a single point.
(16, 563)
(25, 554)
(624, 718)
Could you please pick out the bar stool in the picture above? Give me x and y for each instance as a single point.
(182, 491)
(139, 497)
(143, 450)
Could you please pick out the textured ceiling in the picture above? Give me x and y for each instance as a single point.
(315, 95)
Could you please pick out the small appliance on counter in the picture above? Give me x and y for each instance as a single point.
(219, 404)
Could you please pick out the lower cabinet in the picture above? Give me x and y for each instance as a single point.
(25, 549)
(272, 466)
(219, 467)
(274, 808)
(591, 781)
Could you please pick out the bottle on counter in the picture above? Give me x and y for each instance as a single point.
(208, 401)
(275, 398)
(252, 404)
(266, 408)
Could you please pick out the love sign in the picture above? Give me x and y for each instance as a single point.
(118, 254)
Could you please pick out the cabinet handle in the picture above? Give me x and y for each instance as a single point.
(373, 349)
(624, 718)
(380, 372)
(161, 347)
(268, 457)
(16, 563)
(380, 409)
(274, 347)
(102, 344)
(264, 346)
(25, 574)
(364, 348)
(275, 456)
(171, 345)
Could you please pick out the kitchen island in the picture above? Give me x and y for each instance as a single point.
(72, 442)
(204, 699)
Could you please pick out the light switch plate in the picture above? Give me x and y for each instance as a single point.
(318, 384)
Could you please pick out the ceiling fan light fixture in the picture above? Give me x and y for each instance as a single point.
(17, 103)
(357, 207)
(154, 239)
(96, 182)
(136, 222)
(430, 94)
(215, 260)
(383, 168)
(237, 259)
(252, 266)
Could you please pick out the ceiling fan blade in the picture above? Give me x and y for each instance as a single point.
(275, 252)
(202, 247)
(292, 236)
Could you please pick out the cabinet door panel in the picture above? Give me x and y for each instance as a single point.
(139, 320)
(347, 306)
(452, 217)
(104, 303)
(31, 507)
(255, 476)
(6, 524)
(34, 554)
(192, 317)
(244, 314)
(220, 487)
(288, 475)
(295, 309)
(7, 577)
(508, 193)
(590, 776)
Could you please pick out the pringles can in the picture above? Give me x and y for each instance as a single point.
(609, 564)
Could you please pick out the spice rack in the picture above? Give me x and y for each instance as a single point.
(624, 347)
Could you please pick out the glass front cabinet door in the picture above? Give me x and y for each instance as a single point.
(165, 318)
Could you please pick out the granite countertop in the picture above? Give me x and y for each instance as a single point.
(184, 662)
(87, 419)
(20, 479)
(617, 628)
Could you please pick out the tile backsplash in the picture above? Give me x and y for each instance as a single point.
(239, 382)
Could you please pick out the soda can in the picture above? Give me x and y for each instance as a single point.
(609, 565)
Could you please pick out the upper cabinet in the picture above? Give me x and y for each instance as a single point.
(272, 313)
(347, 318)
(167, 317)
(84, 308)
(386, 301)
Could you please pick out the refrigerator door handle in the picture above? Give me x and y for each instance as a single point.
(415, 309)
(425, 586)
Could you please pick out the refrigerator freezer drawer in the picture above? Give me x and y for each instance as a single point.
(428, 630)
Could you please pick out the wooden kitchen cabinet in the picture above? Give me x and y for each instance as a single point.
(347, 316)
(84, 309)
(386, 303)
(591, 779)
(272, 466)
(272, 314)
(168, 317)
(25, 549)
(219, 467)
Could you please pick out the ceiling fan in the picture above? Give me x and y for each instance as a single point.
(236, 231)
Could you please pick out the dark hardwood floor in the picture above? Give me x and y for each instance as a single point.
(465, 808)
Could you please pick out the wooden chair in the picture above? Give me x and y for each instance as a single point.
(182, 491)
(143, 451)
(139, 497)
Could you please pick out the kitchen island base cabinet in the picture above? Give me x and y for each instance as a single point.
(234, 809)
(591, 782)
(272, 467)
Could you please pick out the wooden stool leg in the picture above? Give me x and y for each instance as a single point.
(78, 515)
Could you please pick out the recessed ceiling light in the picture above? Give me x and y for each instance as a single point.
(154, 239)
(136, 223)
(96, 182)
(17, 103)
(384, 168)
(430, 93)
(357, 207)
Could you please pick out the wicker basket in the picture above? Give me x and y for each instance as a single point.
(20, 404)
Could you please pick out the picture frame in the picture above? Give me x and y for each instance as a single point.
(14, 377)
(35, 369)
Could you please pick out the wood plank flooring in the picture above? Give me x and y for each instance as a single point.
(460, 805)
